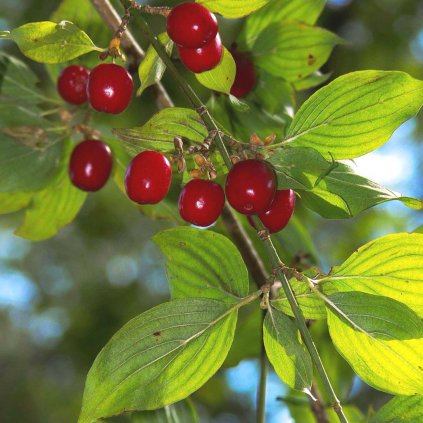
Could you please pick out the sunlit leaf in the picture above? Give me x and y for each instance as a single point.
(356, 113)
(202, 263)
(233, 8)
(159, 357)
(407, 409)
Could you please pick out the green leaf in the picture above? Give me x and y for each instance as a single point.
(332, 189)
(390, 266)
(159, 132)
(237, 104)
(180, 412)
(202, 263)
(311, 305)
(294, 50)
(356, 113)
(302, 413)
(400, 409)
(286, 351)
(48, 42)
(14, 201)
(233, 8)
(306, 11)
(381, 339)
(5, 35)
(52, 208)
(313, 80)
(222, 77)
(159, 357)
(152, 68)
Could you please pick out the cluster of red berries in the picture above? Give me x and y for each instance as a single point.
(108, 88)
(194, 30)
(250, 189)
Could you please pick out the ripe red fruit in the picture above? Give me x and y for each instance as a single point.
(245, 77)
(110, 88)
(251, 186)
(191, 25)
(201, 202)
(148, 177)
(280, 212)
(90, 165)
(72, 84)
(204, 58)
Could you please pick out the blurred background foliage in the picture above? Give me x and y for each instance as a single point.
(62, 299)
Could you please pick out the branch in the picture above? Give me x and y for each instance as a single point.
(318, 406)
(111, 17)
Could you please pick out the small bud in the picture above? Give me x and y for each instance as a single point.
(114, 43)
(269, 139)
(178, 143)
(255, 140)
(182, 165)
(212, 174)
(195, 173)
(200, 160)
(235, 159)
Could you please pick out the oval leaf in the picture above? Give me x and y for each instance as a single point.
(159, 357)
(400, 409)
(381, 339)
(293, 51)
(48, 42)
(160, 131)
(152, 68)
(286, 352)
(202, 263)
(220, 78)
(233, 8)
(391, 266)
(356, 113)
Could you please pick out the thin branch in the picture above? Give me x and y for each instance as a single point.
(261, 392)
(318, 406)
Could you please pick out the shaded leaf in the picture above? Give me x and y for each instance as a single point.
(380, 338)
(202, 263)
(400, 409)
(152, 68)
(313, 80)
(356, 113)
(159, 132)
(159, 357)
(286, 351)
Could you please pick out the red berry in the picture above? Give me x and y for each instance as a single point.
(204, 58)
(110, 88)
(191, 25)
(245, 77)
(251, 186)
(201, 202)
(72, 84)
(148, 177)
(280, 212)
(90, 165)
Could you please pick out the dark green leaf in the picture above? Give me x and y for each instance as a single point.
(202, 263)
(159, 357)
(356, 113)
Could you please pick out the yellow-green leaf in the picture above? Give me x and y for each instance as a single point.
(233, 8)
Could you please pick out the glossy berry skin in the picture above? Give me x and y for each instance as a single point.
(201, 202)
(245, 77)
(90, 165)
(110, 88)
(191, 25)
(148, 177)
(251, 186)
(201, 59)
(280, 212)
(72, 84)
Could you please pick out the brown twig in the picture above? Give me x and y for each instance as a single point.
(318, 406)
